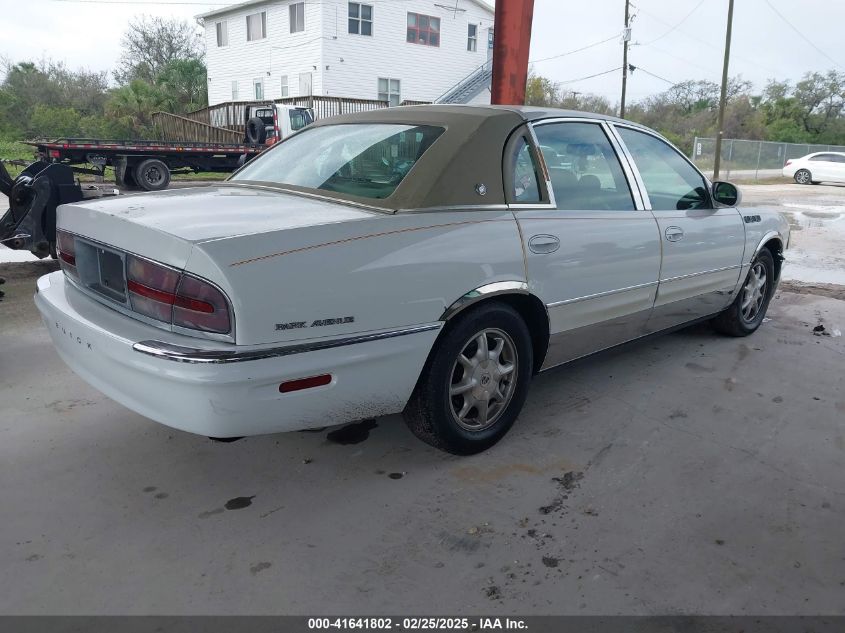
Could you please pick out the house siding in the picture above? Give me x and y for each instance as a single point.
(344, 64)
(280, 53)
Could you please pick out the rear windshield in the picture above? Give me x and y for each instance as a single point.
(366, 160)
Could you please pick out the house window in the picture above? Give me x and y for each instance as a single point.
(222, 34)
(256, 26)
(285, 89)
(423, 29)
(234, 91)
(258, 85)
(472, 37)
(297, 17)
(360, 18)
(389, 90)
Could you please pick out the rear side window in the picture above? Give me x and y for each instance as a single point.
(585, 172)
(828, 158)
(524, 178)
(365, 160)
(671, 182)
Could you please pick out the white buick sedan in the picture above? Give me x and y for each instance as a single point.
(425, 260)
(816, 168)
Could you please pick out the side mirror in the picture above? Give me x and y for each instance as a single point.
(726, 194)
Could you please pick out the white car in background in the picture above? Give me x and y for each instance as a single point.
(817, 167)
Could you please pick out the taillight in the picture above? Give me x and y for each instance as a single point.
(174, 297)
(788, 163)
(66, 252)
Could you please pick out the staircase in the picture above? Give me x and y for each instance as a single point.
(470, 86)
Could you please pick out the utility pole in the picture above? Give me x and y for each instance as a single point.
(724, 95)
(626, 35)
(511, 41)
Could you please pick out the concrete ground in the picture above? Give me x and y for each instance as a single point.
(690, 473)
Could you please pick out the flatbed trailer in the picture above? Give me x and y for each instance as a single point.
(145, 165)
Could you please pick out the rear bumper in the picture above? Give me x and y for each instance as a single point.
(225, 397)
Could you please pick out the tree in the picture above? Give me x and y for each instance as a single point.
(151, 43)
(183, 85)
(133, 104)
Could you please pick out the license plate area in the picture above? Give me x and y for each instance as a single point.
(102, 270)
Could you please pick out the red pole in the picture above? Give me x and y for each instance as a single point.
(511, 41)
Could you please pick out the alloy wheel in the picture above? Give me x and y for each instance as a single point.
(754, 292)
(483, 379)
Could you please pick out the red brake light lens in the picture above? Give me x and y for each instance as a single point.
(168, 295)
(789, 162)
(200, 306)
(66, 250)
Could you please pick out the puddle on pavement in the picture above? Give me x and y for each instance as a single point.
(238, 503)
(352, 433)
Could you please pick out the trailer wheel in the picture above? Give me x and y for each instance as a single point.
(152, 175)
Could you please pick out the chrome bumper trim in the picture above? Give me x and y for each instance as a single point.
(181, 354)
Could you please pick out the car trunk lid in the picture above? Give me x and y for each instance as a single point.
(165, 226)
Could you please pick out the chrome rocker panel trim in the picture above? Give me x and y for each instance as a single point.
(181, 354)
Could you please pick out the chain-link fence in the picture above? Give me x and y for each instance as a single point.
(751, 160)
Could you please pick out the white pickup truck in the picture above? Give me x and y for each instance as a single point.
(273, 122)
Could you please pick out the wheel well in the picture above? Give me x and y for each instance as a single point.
(533, 312)
(775, 247)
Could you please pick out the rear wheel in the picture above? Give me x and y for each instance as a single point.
(748, 310)
(474, 383)
(152, 175)
(803, 177)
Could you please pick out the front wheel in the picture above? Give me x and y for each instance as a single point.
(748, 310)
(803, 177)
(475, 381)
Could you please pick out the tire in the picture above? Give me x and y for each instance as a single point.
(152, 175)
(256, 133)
(738, 320)
(803, 177)
(433, 415)
(127, 182)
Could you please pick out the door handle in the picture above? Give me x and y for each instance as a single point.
(674, 233)
(543, 244)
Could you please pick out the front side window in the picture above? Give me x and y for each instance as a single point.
(472, 37)
(524, 176)
(256, 26)
(360, 18)
(222, 34)
(258, 86)
(585, 172)
(363, 160)
(390, 90)
(671, 182)
(297, 17)
(423, 29)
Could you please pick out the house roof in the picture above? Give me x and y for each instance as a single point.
(249, 3)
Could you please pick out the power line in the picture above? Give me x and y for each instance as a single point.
(678, 57)
(803, 37)
(640, 68)
(577, 50)
(706, 43)
(606, 72)
(684, 19)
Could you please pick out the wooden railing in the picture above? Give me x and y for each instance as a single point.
(232, 114)
(172, 127)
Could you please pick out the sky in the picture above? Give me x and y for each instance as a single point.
(673, 40)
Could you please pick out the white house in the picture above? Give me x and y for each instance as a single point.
(398, 50)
